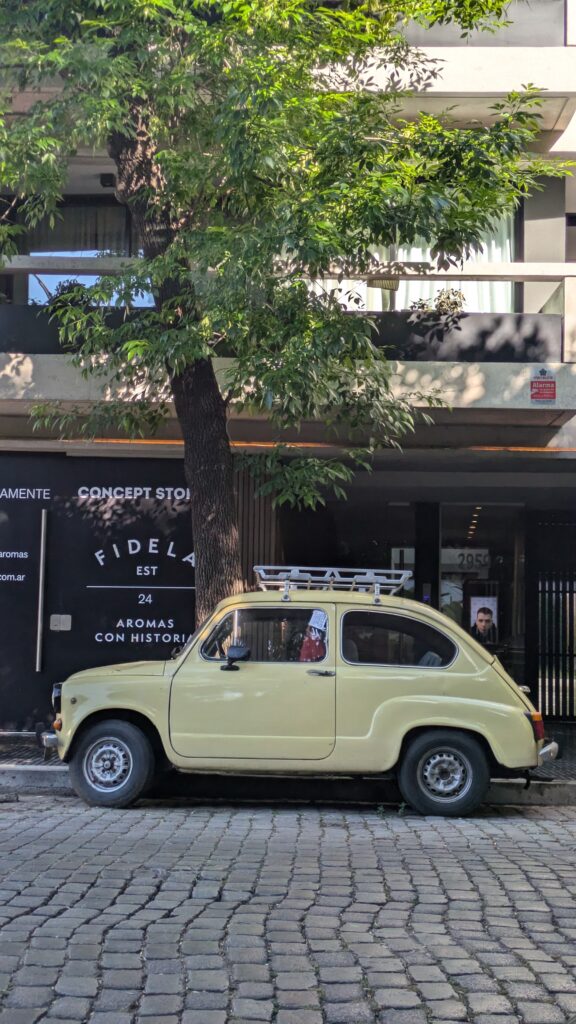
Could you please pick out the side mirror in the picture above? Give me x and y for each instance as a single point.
(237, 652)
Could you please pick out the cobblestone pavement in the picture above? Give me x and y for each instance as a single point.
(178, 914)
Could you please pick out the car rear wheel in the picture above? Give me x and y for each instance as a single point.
(112, 764)
(444, 772)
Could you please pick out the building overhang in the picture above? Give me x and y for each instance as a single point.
(493, 425)
(27, 379)
(469, 80)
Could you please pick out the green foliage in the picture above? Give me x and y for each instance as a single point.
(258, 142)
(135, 418)
(301, 482)
(446, 302)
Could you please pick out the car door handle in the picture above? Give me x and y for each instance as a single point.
(321, 672)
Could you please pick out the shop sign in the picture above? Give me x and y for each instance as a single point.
(25, 494)
(97, 566)
(543, 387)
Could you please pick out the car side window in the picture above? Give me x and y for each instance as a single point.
(380, 638)
(272, 634)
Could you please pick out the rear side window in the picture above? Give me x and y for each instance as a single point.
(379, 638)
(272, 634)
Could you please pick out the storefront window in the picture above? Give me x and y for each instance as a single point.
(482, 577)
(364, 532)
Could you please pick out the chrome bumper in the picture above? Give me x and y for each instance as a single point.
(49, 740)
(548, 753)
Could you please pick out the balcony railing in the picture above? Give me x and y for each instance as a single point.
(539, 23)
(560, 305)
(561, 300)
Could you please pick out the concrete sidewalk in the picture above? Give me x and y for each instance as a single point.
(23, 770)
(217, 789)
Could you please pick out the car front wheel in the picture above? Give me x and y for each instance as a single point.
(112, 764)
(444, 772)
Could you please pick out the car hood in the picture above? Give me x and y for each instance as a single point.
(128, 669)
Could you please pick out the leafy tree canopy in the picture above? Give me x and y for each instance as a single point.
(257, 143)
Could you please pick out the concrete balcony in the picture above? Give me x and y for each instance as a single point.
(416, 336)
(419, 336)
(494, 371)
(547, 21)
(470, 79)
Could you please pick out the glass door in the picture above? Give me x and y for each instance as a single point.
(482, 577)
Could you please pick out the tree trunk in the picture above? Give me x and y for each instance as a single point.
(200, 407)
(210, 476)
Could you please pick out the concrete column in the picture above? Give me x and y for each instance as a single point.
(544, 238)
(570, 8)
(427, 552)
(569, 348)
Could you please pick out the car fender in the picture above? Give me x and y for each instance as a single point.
(503, 727)
(144, 697)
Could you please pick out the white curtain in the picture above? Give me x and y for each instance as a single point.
(480, 296)
(356, 296)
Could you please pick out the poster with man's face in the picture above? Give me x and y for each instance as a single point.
(484, 619)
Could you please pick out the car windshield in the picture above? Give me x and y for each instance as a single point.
(184, 648)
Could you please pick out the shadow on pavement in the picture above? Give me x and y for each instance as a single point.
(274, 790)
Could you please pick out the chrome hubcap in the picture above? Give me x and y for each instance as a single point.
(107, 764)
(445, 774)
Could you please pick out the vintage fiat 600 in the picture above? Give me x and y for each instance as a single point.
(320, 671)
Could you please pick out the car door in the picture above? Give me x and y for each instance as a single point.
(395, 671)
(279, 704)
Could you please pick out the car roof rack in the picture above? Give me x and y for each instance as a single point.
(306, 577)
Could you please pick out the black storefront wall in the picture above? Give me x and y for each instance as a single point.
(96, 567)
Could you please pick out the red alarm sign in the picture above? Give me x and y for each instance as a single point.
(543, 387)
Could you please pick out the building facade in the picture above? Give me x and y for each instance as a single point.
(96, 560)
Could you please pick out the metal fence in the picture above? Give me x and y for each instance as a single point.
(556, 644)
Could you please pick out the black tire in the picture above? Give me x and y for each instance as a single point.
(112, 764)
(444, 772)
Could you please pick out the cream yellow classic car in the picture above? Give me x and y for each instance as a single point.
(322, 670)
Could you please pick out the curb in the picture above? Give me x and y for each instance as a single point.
(34, 779)
(31, 780)
(539, 794)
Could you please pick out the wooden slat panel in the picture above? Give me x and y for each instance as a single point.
(258, 526)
